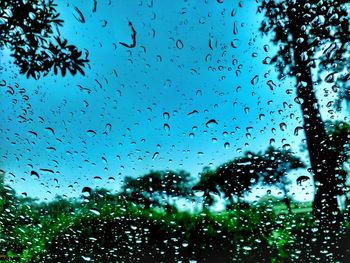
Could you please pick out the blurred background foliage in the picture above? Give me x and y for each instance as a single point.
(144, 223)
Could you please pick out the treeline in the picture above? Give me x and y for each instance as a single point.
(105, 227)
(143, 223)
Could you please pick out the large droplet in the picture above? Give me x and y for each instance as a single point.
(271, 84)
(86, 258)
(155, 155)
(166, 116)
(179, 44)
(166, 127)
(283, 126)
(211, 123)
(192, 113)
(297, 130)
(330, 78)
(95, 211)
(255, 80)
(91, 133)
(34, 174)
(86, 192)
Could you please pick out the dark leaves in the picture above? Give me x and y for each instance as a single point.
(310, 27)
(33, 50)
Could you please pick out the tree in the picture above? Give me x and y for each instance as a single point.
(157, 188)
(231, 179)
(27, 30)
(277, 164)
(240, 175)
(339, 132)
(208, 183)
(9, 217)
(313, 34)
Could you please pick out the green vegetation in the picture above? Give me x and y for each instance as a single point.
(142, 223)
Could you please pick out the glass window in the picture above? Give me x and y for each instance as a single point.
(174, 131)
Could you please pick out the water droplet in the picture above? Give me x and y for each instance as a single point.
(286, 147)
(50, 130)
(155, 155)
(179, 44)
(95, 211)
(91, 133)
(198, 193)
(33, 133)
(227, 145)
(111, 179)
(266, 48)
(297, 130)
(329, 78)
(108, 128)
(271, 84)
(314, 229)
(255, 80)
(34, 174)
(261, 117)
(192, 113)
(302, 179)
(86, 192)
(283, 126)
(86, 258)
(166, 116)
(166, 127)
(211, 123)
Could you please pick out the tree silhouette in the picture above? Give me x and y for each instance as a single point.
(313, 35)
(208, 183)
(9, 219)
(276, 165)
(339, 132)
(240, 175)
(157, 188)
(27, 30)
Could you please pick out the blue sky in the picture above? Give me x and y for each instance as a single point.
(136, 94)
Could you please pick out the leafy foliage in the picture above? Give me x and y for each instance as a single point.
(156, 186)
(27, 29)
(108, 227)
(319, 29)
(240, 175)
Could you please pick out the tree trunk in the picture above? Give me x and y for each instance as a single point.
(286, 199)
(323, 161)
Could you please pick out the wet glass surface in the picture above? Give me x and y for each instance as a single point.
(174, 131)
